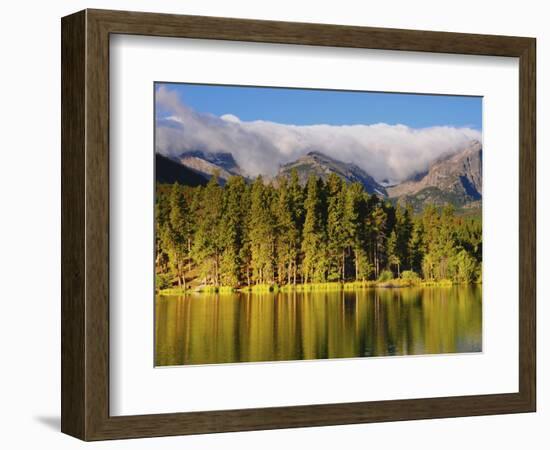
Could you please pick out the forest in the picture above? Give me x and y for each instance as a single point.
(258, 235)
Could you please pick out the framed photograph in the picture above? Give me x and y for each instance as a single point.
(273, 225)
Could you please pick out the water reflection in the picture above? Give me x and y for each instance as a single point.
(228, 328)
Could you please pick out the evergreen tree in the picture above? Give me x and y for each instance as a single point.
(446, 243)
(162, 213)
(174, 233)
(195, 202)
(337, 231)
(416, 247)
(261, 233)
(465, 267)
(392, 252)
(208, 244)
(245, 252)
(232, 231)
(314, 263)
(403, 231)
(288, 216)
(355, 220)
(379, 222)
(297, 212)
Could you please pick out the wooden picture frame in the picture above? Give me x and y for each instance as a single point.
(85, 224)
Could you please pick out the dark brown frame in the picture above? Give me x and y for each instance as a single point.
(85, 224)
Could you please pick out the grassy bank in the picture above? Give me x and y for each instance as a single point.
(200, 290)
(394, 283)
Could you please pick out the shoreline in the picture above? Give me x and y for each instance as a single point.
(311, 287)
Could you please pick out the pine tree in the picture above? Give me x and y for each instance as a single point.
(355, 221)
(446, 243)
(287, 212)
(174, 233)
(196, 199)
(337, 232)
(416, 247)
(245, 252)
(392, 252)
(162, 213)
(314, 262)
(232, 231)
(208, 242)
(403, 231)
(379, 219)
(261, 233)
(297, 213)
(363, 267)
(465, 267)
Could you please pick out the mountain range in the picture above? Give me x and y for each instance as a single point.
(169, 171)
(208, 163)
(322, 166)
(455, 178)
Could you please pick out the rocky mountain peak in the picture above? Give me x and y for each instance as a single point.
(209, 163)
(457, 178)
(321, 165)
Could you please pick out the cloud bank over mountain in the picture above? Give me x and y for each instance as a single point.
(394, 152)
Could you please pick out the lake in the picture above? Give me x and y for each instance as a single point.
(245, 327)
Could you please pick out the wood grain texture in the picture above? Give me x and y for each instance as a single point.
(85, 224)
(527, 224)
(201, 27)
(73, 109)
(97, 225)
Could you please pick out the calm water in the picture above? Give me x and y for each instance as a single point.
(228, 328)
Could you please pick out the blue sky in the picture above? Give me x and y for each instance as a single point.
(390, 136)
(309, 107)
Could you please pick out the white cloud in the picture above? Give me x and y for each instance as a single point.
(385, 151)
(230, 118)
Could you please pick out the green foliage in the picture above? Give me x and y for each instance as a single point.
(410, 275)
(288, 216)
(173, 291)
(353, 285)
(262, 233)
(363, 267)
(259, 288)
(438, 283)
(415, 246)
(314, 287)
(338, 231)
(232, 229)
(173, 232)
(226, 289)
(385, 275)
(326, 235)
(208, 289)
(315, 261)
(209, 239)
(452, 249)
(163, 281)
(465, 267)
(379, 222)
